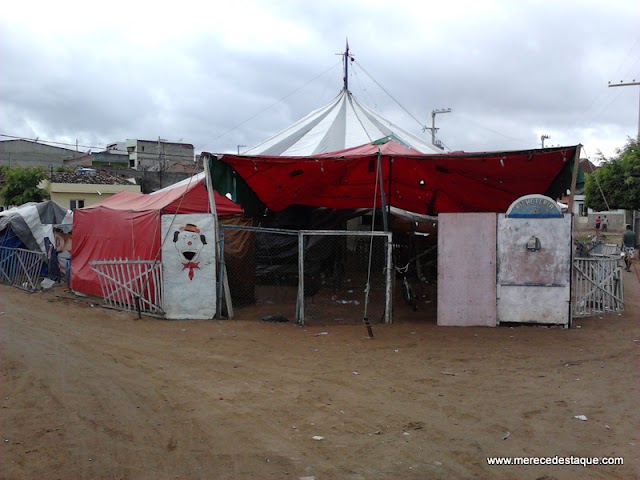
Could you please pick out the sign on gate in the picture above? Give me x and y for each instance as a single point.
(189, 266)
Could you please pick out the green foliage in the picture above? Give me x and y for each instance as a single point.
(619, 180)
(21, 185)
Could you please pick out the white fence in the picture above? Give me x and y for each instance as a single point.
(134, 285)
(597, 286)
(21, 268)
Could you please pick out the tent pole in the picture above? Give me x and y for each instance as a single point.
(206, 159)
(389, 186)
(383, 206)
(574, 178)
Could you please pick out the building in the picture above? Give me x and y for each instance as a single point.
(115, 155)
(26, 153)
(85, 187)
(158, 155)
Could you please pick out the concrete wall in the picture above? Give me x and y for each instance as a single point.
(158, 155)
(24, 153)
(467, 269)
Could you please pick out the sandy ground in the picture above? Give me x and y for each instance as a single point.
(89, 393)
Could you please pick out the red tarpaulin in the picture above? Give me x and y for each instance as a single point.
(420, 183)
(127, 225)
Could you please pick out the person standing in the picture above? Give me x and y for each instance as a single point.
(605, 224)
(598, 221)
(628, 246)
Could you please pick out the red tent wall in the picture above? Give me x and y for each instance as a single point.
(105, 234)
(127, 225)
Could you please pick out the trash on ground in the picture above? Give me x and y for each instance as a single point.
(581, 417)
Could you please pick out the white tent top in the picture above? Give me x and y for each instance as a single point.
(343, 123)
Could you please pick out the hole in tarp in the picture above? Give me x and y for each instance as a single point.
(295, 173)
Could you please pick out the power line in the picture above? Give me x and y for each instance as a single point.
(100, 149)
(398, 103)
(268, 107)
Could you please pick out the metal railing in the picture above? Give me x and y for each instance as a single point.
(597, 286)
(21, 268)
(132, 285)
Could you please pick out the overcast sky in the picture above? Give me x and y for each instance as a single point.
(223, 74)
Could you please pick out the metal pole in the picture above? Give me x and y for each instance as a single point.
(628, 84)
(543, 138)
(388, 318)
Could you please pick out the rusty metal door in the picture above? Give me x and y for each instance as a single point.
(534, 270)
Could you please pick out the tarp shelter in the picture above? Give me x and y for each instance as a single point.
(127, 225)
(419, 183)
(28, 225)
(342, 123)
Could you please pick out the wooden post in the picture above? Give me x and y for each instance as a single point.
(206, 158)
(574, 178)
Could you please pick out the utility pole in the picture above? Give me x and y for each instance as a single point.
(543, 138)
(628, 84)
(433, 128)
(239, 147)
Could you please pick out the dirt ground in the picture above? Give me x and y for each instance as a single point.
(90, 393)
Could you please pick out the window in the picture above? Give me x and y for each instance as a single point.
(73, 204)
(583, 211)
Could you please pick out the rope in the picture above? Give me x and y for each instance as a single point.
(367, 289)
(599, 186)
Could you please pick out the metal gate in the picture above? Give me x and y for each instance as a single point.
(534, 270)
(597, 286)
(21, 268)
(134, 285)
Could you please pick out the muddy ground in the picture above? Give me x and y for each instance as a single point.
(90, 393)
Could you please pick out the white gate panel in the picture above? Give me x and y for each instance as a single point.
(467, 269)
(189, 266)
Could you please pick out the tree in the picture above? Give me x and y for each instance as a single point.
(21, 185)
(617, 180)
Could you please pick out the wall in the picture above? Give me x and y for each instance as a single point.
(189, 266)
(62, 193)
(155, 155)
(467, 269)
(25, 153)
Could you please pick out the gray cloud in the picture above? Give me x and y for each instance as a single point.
(509, 70)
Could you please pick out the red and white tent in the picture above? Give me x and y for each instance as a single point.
(127, 225)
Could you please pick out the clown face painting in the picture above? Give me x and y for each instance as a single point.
(189, 277)
(189, 243)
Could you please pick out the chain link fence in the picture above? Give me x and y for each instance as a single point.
(346, 276)
(261, 266)
(307, 276)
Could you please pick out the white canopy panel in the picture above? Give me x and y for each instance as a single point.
(343, 123)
